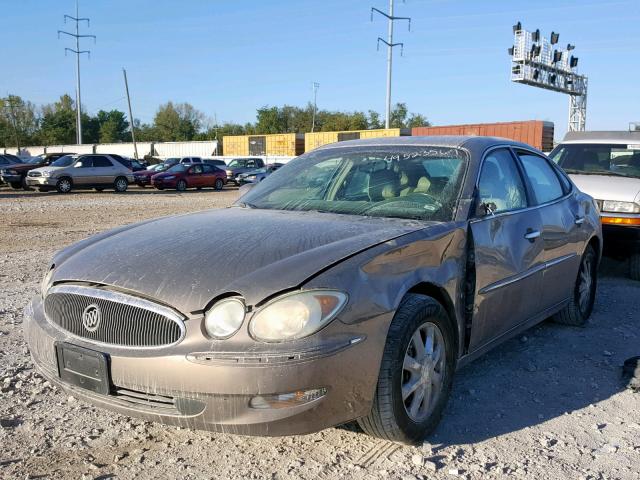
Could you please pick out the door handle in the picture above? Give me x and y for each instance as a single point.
(531, 235)
(579, 220)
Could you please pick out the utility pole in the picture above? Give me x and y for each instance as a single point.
(77, 51)
(133, 135)
(390, 45)
(14, 121)
(316, 86)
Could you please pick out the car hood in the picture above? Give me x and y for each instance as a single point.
(48, 169)
(608, 187)
(19, 167)
(186, 261)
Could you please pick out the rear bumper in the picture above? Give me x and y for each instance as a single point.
(213, 391)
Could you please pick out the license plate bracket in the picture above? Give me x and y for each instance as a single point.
(83, 367)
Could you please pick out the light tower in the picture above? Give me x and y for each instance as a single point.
(539, 62)
(78, 52)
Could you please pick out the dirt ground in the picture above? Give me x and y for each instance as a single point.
(548, 404)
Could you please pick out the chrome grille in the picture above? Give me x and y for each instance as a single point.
(35, 174)
(123, 320)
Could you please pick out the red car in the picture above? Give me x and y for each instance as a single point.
(183, 176)
(143, 177)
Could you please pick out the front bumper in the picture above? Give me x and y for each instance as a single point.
(11, 178)
(41, 181)
(212, 390)
(165, 183)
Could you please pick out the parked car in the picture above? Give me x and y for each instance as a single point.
(81, 171)
(182, 176)
(606, 165)
(130, 163)
(352, 285)
(241, 165)
(7, 160)
(16, 176)
(216, 162)
(258, 175)
(190, 160)
(142, 178)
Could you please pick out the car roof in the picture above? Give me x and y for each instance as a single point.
(477, 144)
(621, 136)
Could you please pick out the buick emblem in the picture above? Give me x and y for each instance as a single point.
(91, 317)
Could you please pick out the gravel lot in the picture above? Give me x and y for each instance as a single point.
(549, 404)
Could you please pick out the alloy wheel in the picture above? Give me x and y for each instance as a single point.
(64, 185)
(423, 371)
(121, 185)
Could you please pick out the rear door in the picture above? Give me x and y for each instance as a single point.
(509, 256)
(104, 170)
(562, 219)
(208, 175)
(196, 177)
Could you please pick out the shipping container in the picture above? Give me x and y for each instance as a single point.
(279, 144)
(79, 149)
(317, 139)
(536, 133)
(125, 149)
(185, 149)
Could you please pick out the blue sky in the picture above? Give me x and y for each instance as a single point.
(229, 57)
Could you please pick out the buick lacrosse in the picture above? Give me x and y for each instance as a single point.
(349, 285)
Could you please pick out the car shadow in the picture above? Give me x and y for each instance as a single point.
(8, 194)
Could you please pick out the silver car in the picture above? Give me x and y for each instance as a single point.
(81, 171)
(606, 165)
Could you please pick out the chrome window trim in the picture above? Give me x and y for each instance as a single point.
(474, 219)
(124, 299)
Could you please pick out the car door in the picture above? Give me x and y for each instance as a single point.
(208, 175)
(561, 221)
(104, 170)
(196, 177)
(83, 171)
(508, 253)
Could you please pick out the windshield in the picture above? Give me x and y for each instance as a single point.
(597, 158)
(403, 182)
(35, 160)
(63, 161)
(178, 168)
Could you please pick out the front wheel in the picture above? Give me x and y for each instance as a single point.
(181, 186)
(219, 184)
(416, 373)
(16, 185)
(64, 185)
(579, 309)
(121, 184)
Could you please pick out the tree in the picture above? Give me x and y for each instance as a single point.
(112, 126)
(19, 122)
(177, 122)
(58, 125)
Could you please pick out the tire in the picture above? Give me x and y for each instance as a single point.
(16, 185)
(121, 184)
(64, 185)
(580, 307)
(392, 417)
(43, 189)
(219, 184)
(181, 186)
(634, 266)
(25, 185)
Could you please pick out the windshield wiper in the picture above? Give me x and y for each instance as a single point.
(595, 172)
(246, 205)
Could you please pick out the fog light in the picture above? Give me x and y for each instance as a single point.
(287, 400)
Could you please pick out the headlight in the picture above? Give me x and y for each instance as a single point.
(46, 173)
(224, 318)
(251, 177)
(296, 315)
(9, 172)
(620, 207)
(229, 172)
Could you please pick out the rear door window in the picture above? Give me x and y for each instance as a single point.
(85, 162)
(542, 177)
(100, 161)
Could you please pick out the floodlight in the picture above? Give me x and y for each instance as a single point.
(557, 56)
(573, 62)
(552, 78)
(570, 47)
(554, 38)
(536, 74)
(517, 27)
(510, 50)
(535, 36)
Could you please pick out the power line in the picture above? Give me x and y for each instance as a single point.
(78, 52)
(390, 45)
